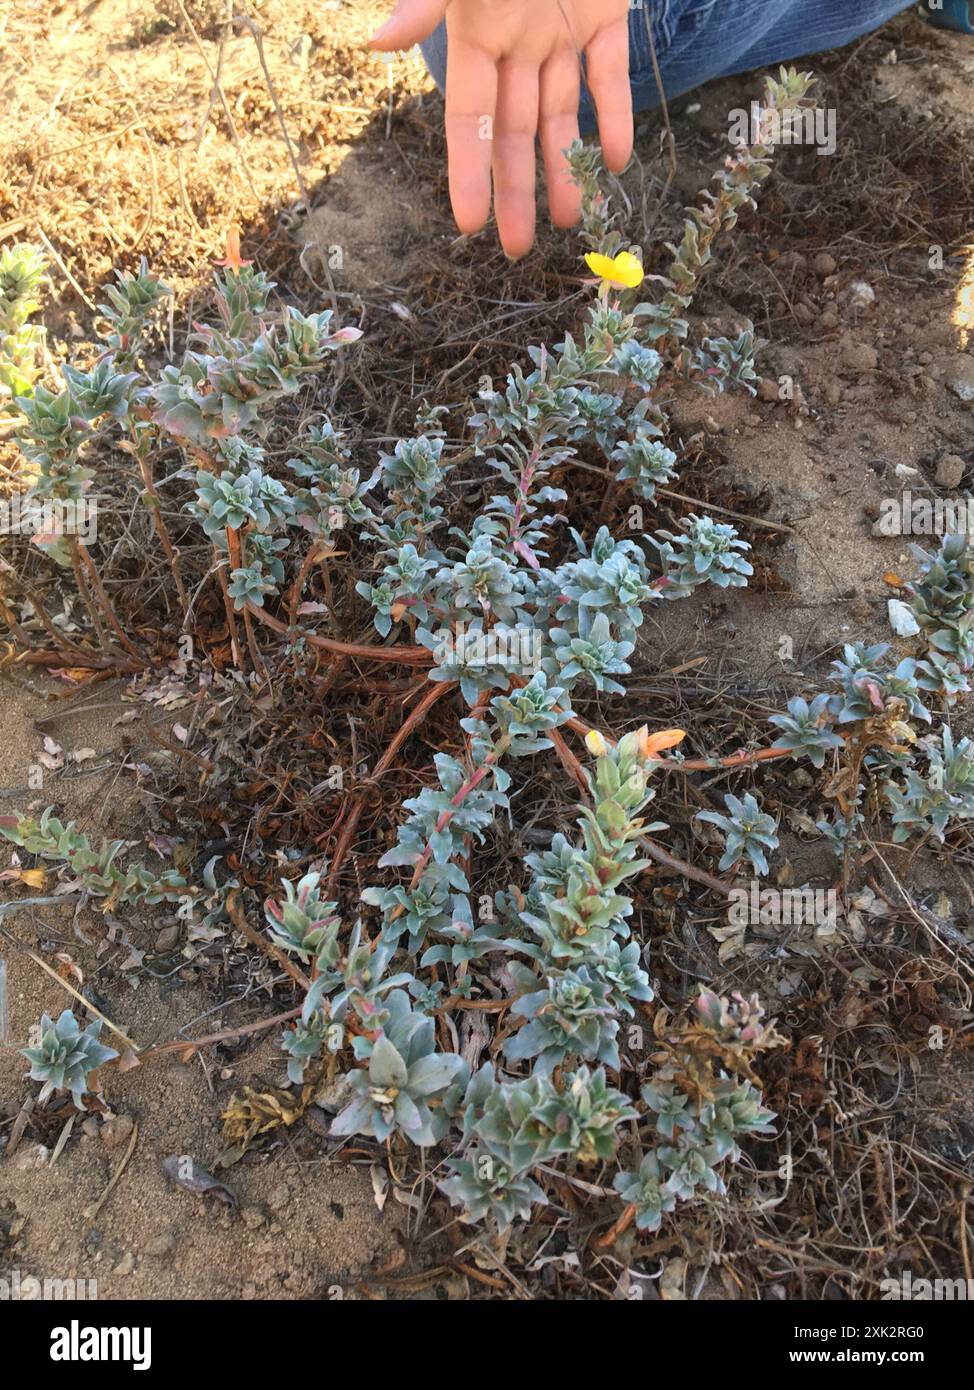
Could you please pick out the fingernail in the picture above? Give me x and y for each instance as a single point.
(381, 32)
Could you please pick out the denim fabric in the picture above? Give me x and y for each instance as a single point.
(697, 40)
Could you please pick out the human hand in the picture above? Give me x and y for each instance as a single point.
(513, 73)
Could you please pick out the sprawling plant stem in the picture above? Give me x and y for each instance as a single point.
(154, 505)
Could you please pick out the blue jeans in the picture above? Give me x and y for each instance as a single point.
(697, 40)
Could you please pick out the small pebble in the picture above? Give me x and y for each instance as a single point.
(960, 378)
(950, 471)
(168, 938)
(860, 295)
(36, 1156)
(859, 357)
(279, 1198)
(117, 1131)
(160, 1246)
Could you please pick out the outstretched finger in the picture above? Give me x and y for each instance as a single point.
(607, 71)
(515, 130)
(471, 97)
(411, 22)
(559, 127)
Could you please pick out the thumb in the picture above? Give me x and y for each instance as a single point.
(412, 21)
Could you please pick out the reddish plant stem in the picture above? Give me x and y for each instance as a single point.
(616, 1230)
(410, 723)
(524, 486)
(13, 625)
(69, 650)
(568, 760)
(197, 1043)
(679, 866)
(162, 530)
(238, 917)
(233, 557)
(84, 661)
(255, 655)
(297, 588)
(444, 818)
(87, 598)
(406, 656)
(230, 614)
(106, 603)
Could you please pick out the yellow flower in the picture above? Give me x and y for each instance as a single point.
(33, 878)
(651, 744)
(596, 743)
(623, 270)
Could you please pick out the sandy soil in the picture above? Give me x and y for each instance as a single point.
(308, 1226)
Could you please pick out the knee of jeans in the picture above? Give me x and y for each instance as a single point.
(433, 50)
(650, 32)
(641, 47)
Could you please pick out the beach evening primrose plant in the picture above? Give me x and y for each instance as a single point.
(525, 616)
(50, 839)
(872, 719)
(749, 832)
(66, 1056)
(22, 271)
(303, 923)
(942, 793)
(403, 1085)
(471, 595)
